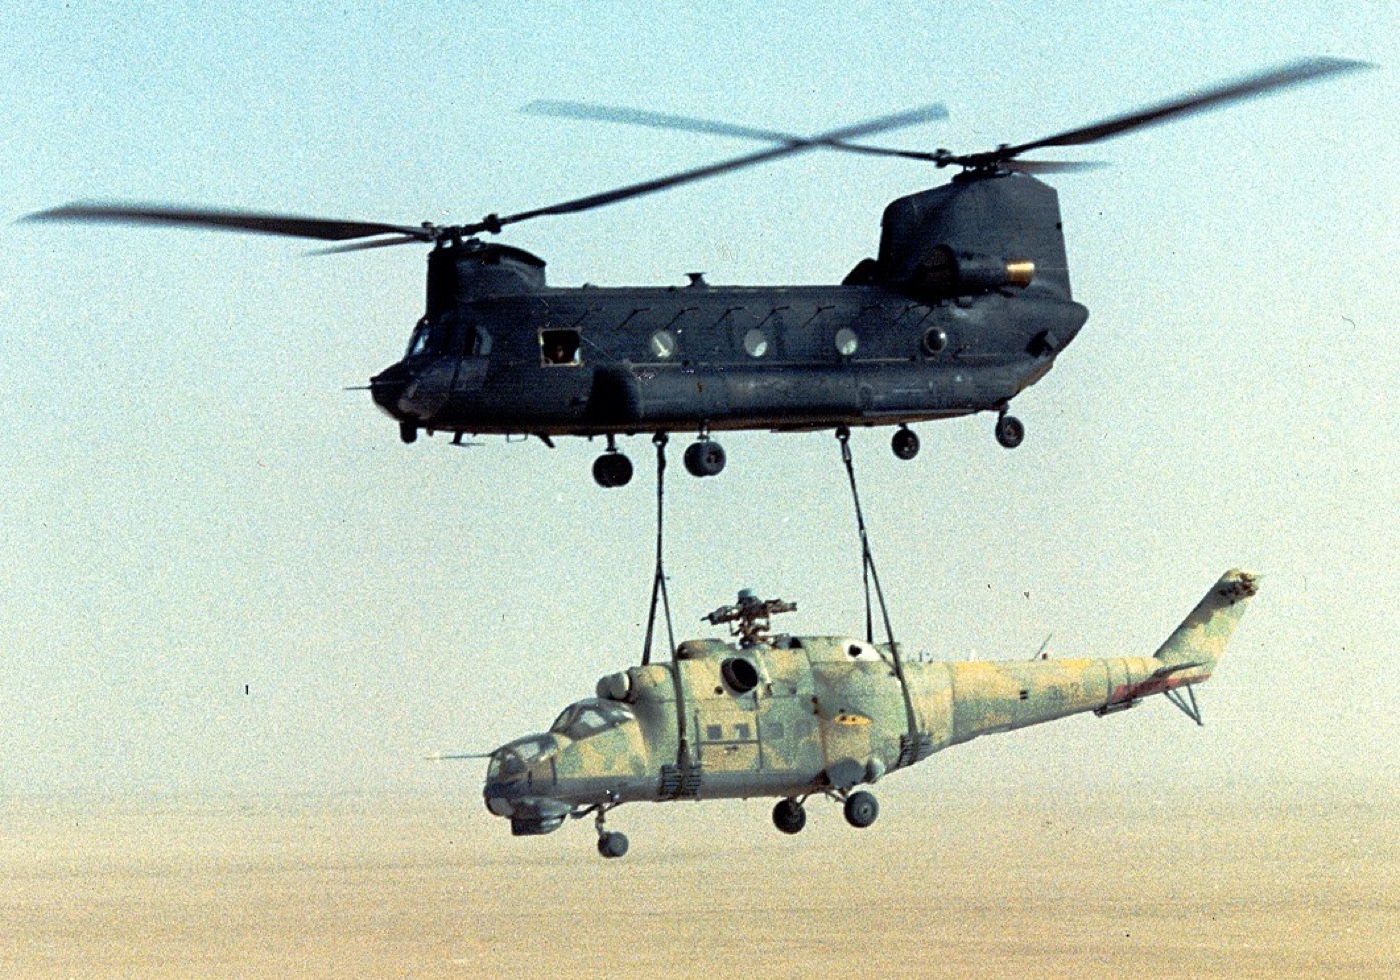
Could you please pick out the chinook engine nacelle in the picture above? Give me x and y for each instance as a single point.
(975, 235)
(946, 274)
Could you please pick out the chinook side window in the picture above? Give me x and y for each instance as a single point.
(559, 347)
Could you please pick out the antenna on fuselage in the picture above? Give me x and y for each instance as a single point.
(1041, 654)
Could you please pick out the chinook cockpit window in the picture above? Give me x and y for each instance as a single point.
(590, 717)
(450, 338)
(418, 343)
(432, 338)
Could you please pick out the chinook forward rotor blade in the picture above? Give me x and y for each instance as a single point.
(336, 230)
(362, 246)
(691, 124)
(294, 226)
(1054, 166)
(1295, 73)
(789, 147)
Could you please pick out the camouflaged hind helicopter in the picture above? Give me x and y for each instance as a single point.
(967, 304)
(795, 717)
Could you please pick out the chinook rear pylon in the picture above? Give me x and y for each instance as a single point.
(797, 716)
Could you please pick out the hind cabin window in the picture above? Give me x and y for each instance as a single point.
(559, 348)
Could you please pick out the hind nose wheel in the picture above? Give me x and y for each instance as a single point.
(612, 844)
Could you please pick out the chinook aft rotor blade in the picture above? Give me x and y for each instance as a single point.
(791, 146)
(654, 120)
(294, 226)
(691, 124)
(1296, 73)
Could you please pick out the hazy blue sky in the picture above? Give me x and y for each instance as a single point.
(191, 503)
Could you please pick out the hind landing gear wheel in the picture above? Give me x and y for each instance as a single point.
(789, 816)
(704, 458)
(861, 809)
(408, 432)
(612, 469)
(1010, 431)
(612, 844)
(905, 443)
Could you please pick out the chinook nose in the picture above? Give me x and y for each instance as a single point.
(388, 386)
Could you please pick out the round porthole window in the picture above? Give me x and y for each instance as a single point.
(663, 344)
(935, 340)
(756, 342)
(846, 342)
(740, 674)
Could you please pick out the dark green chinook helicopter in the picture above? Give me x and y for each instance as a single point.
(967, 304)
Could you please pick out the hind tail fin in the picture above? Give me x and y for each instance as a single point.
(1199, 642)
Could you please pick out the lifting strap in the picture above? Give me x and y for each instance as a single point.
(912, 745)
(683, 778)
(658, 582)
(868, 572)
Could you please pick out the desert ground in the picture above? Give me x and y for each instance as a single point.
(1054, 885)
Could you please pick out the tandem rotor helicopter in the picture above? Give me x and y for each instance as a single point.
(967, 304)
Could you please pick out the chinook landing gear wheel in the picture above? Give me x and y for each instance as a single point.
(1010, 431)
(612, 469)
(612, 844)
(704, 458)
(408, 432)
(789, 816)
(861, 809)
(905, 443)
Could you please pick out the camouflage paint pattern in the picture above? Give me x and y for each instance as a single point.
(793, 716)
